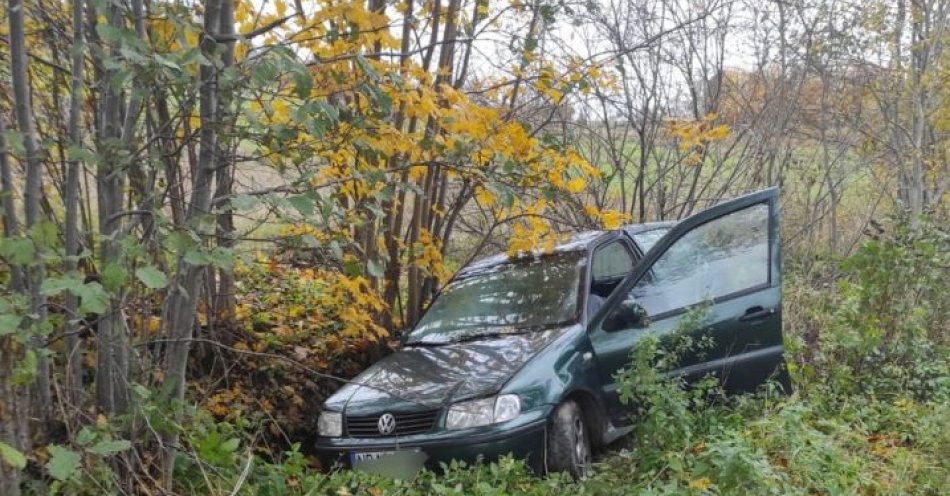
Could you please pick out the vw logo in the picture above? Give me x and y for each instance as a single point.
(386, 424)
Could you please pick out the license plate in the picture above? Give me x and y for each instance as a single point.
(361, 456)
(398, 464)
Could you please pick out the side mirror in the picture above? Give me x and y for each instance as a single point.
(628, 315)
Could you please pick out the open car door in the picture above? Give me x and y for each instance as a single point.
(725, 259)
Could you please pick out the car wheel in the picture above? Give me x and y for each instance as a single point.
(568, 441)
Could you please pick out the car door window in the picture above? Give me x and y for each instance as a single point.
(611, 262)
(722, 257)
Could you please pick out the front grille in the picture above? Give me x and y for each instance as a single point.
(406, 423)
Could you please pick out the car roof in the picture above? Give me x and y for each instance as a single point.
(578, 242)
(632, 229)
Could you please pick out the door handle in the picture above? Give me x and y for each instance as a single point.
(756, 313)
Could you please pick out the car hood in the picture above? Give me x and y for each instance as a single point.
(434, 376)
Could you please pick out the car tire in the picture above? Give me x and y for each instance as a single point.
(569, 448)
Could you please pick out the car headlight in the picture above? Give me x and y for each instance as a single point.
(483, 411)
(330, 424)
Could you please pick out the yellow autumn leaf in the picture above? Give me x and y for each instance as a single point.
(700, 484)
(485, 197)
(154, 324)
(612, 219)
(576, 185)
(718, 133)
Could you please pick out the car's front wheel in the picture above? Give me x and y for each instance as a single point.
(568, 441)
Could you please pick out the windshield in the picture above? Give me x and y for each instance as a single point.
(525, 293)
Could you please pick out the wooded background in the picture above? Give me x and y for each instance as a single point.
(192, 188)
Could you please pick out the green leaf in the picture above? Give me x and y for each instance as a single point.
(133, 56)
(9, 323)
(25, 370)
(92, 298)
(244, 202)
(44, 234)
(195, 257)
(328, 110)
(85, 253)
(108, 32)
(11, 456)
(352, 268)
(368, 69)
(114, 276)
(85, 436)
(81, 154)
(231, 445)
(14, 141)
(53, 286)
(264, 72)
(303, 203)
(192, 56)
(109, 447)
(20, 251)
(171, 64)
(151, 277)
(179, 242)
(303, 82)
(141, 391)
(222, 258)
(63, 462)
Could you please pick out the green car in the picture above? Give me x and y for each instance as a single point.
(519, 356)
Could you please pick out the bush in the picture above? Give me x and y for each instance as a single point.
(296, 327)
(883, 328)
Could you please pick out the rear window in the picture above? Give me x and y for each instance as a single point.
(647, 239)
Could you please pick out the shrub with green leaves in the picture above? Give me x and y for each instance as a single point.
(884, 328)
(664, 418)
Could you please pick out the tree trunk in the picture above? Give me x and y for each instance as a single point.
(13, 416)
(224, 302)
(422, 205)
(395, 208)
(170, 157)
(31, 194)
(180, 306)
(112, 347)
(12, 422)
(71, 200)
(894, 107)
(8, 204)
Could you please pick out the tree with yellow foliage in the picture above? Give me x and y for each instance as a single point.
(373, 140)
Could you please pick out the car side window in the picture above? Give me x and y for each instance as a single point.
(724, 256)
(611, 261)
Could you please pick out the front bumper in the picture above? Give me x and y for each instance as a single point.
(523, 438)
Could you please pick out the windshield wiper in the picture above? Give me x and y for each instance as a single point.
(429, 343)
(478, 336)
(486, 335)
